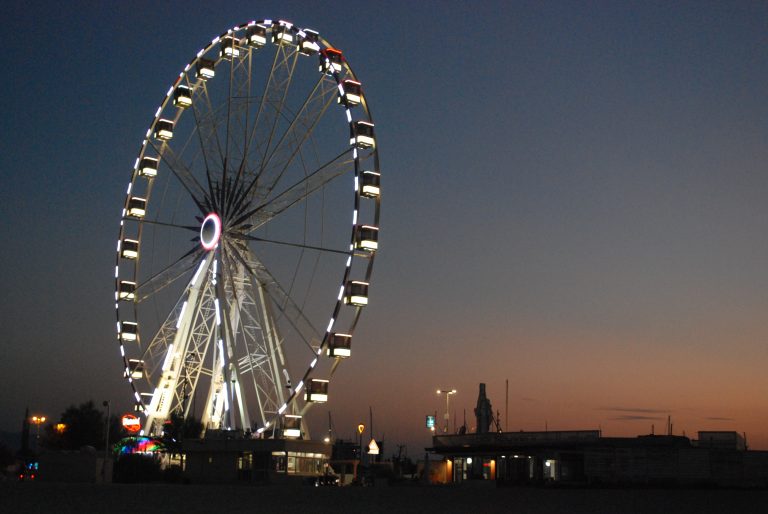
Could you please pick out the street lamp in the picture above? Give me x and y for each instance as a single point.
(37, 420)
(447, 393)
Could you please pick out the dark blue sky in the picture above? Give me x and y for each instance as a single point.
(574, 200)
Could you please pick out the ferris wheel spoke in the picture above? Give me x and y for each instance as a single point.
(311, 183)
(241, 93)
(168, 275)
(207, 131)
(172, 225)
(183, 175)
(297, 134)
(300, 128)
(282, 300)
(295, 245)
(272, 105)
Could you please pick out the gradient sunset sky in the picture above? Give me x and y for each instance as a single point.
(575, 198)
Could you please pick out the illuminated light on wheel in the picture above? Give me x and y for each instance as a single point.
(210, 231)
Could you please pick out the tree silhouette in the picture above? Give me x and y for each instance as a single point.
(179, 428)
(84, 426)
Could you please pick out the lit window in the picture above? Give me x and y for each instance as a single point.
(256, 35)
(356, 293)
(128, 331)
(291, 426)
(127, 290)
(148, 167)
(340, 345)
(330, 61)
(352, 91)
(371, 184)
(129, 249)
(308, 42)
(361, 135)
(317, 391)
(282, 32)
(228, 48)
(367, 238)
(163, 130)
(182, 97)
(137, 207)
(205, 69)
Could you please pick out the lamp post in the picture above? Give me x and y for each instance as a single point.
(447, 393)
(37, 420)
(106, 404)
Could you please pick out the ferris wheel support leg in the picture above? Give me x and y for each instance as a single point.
(273, 340)
(163, 396)
(215, 403)
(231, 322)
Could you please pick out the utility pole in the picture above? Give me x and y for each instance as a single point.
(506, 408)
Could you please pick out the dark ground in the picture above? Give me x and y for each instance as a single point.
(32, 498)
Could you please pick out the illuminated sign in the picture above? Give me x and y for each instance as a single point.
(141, 444)
(430, 421)
(373, 448)
(131, 423)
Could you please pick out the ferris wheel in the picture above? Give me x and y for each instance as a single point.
(248, 233)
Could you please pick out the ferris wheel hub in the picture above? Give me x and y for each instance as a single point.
(210, 231)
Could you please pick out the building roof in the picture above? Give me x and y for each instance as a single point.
(519, 441)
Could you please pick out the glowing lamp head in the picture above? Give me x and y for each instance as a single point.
(210, 231)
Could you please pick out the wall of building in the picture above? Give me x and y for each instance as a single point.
(646, 460)
(74, 466)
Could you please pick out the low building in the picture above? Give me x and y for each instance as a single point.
(722, 440)
(585, 457)
(82, 466)
(246, 460)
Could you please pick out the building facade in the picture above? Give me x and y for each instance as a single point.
(248, 460)
(584, 457)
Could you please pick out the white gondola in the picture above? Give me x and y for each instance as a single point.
(282, 32)
(148, 167)
(356, 293)
(129, 249)
(352, 91)
(330, 61)
(163, 129)
(137, 207)
(129, 331)
(367, 238)
(340, 345)
(182, 97)
(228, 48)
(291, 426)
(136, 368)
(308, 42)
(361, 134)
(205, 69)
(317, 391)
(257, 35)
(371, 186)
(126, 290)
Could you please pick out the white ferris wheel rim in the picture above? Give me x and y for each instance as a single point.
(124, 321)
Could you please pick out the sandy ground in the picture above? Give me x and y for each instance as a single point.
(171, 499)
